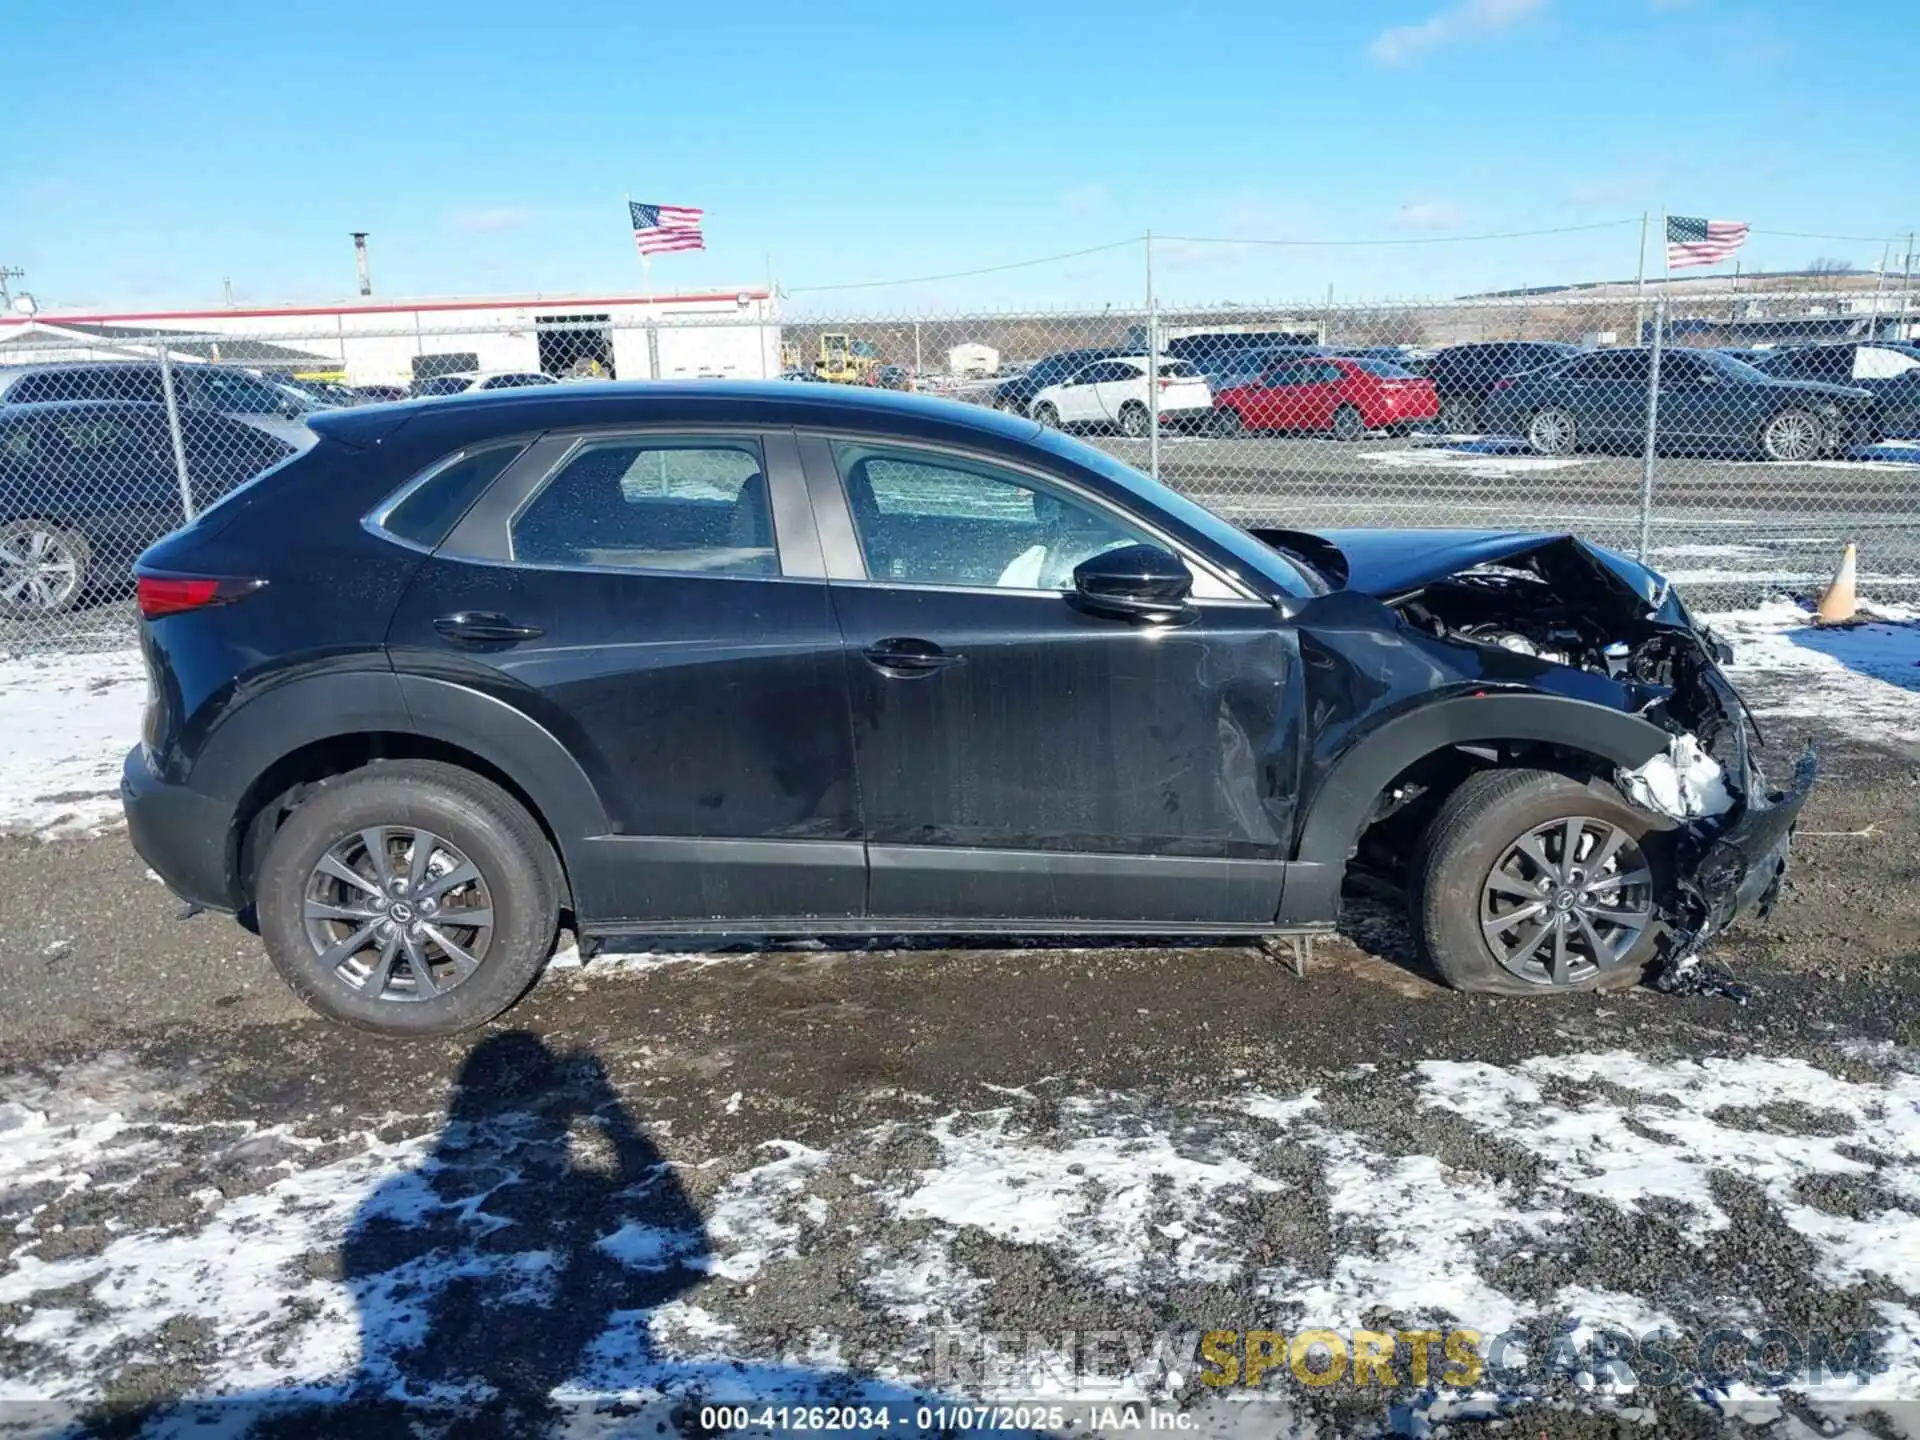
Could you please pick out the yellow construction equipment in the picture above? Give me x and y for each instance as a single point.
(846, 360)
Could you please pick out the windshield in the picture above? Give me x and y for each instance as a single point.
(1247, 552)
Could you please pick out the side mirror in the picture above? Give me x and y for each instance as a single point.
(1135, 582)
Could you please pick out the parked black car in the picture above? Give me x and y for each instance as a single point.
(1888, 370)
(1710, 403)
(1464, 375)
(226, 390)
(86, 485)
(1015, 393)
(764, 659)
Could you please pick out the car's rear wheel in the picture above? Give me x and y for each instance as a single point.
(1348, 424)
(1793, 435)
(43, 568)
(409, 898)
(1528, 881)
(1047, 415)
(1227, 423)
(1133, 420)
(1459, 416)
(1553, 431)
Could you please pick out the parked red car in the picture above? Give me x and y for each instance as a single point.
(1330, 393)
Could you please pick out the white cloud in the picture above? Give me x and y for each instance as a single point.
(490, 219)
(1464, 21)
(1429, 215)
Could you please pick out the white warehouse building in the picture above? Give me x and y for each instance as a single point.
(721, 334)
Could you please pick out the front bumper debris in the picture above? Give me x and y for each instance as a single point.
(1729, 872)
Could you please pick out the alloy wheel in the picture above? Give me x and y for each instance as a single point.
(1567, 899)
(1551, 432)
(40, 570)
(398, 913)
(1793, 435)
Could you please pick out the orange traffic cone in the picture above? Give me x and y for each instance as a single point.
(1839, 602)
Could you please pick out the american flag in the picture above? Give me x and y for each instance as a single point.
(666, 227)
(1702, 242)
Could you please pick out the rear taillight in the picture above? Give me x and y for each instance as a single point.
(162, 595)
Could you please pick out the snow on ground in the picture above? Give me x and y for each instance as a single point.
(67, 721)
(1864, 679)
(306, 1284)
(1493, 464)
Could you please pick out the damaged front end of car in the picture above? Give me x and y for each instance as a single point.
(1532, 614)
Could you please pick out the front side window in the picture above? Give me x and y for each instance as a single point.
(926, 519)
(687, 505)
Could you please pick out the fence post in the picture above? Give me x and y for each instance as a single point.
(1153, 370)
(173, 430)
(1653, 424)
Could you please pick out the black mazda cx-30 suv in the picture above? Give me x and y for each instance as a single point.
(772, 660)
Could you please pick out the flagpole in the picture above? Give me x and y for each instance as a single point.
(1649, 448)
(1640, 286)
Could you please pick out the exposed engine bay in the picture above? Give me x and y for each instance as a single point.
(1552, 615)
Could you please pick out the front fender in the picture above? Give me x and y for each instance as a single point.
(1339, 806)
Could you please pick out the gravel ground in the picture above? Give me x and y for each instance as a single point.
(949, 1175)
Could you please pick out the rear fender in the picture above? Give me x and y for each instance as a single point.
(1339, 807)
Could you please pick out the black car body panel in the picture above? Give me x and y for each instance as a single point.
(1887, 370)
(1468, 373)
(780, 730)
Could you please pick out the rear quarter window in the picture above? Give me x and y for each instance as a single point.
(427, 513)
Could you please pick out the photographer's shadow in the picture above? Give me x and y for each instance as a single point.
(510, 1282)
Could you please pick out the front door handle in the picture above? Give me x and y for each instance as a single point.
(483, 627)
(905, 656)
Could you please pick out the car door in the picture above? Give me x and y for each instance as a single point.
(1021, 759)
(1120, 381)
(1695, 409)
(1080, 401)
(657, 602)
(1280, 405)
(1609, 397)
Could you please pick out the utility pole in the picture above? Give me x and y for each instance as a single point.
(9, 272)
(1153, 370)
(1906, 286)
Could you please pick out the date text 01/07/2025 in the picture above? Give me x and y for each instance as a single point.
(942, 1419)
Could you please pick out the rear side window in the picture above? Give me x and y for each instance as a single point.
(40, 385)
(1384, 370)
(436, 504)
(694, 506)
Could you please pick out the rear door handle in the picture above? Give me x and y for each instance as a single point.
(483, 627)
(904, 656)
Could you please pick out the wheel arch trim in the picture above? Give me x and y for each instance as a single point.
(1339, 806)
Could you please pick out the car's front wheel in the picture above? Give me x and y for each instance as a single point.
(1133, 420)
(1528, 881)
(43, 568)
(409, 898)
(1793, 435)
(1047, 415)
(1227, 422)
(1348, 424)
(1553, 431)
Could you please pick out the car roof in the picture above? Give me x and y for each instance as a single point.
(479, 413)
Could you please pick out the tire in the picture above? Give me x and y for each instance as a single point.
(1553, 431)
(1134, 420)
(1459, 416)
(1476, 836)
(1348, 424)
(1047, 415)
(466, 819)
(1793, 436)
(44, 568)
(1227, 423)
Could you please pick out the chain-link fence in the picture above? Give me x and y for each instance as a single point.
(1737, 440)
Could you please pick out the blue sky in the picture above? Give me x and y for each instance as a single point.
(155, 149)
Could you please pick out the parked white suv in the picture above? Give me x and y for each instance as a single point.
(1114, 392)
